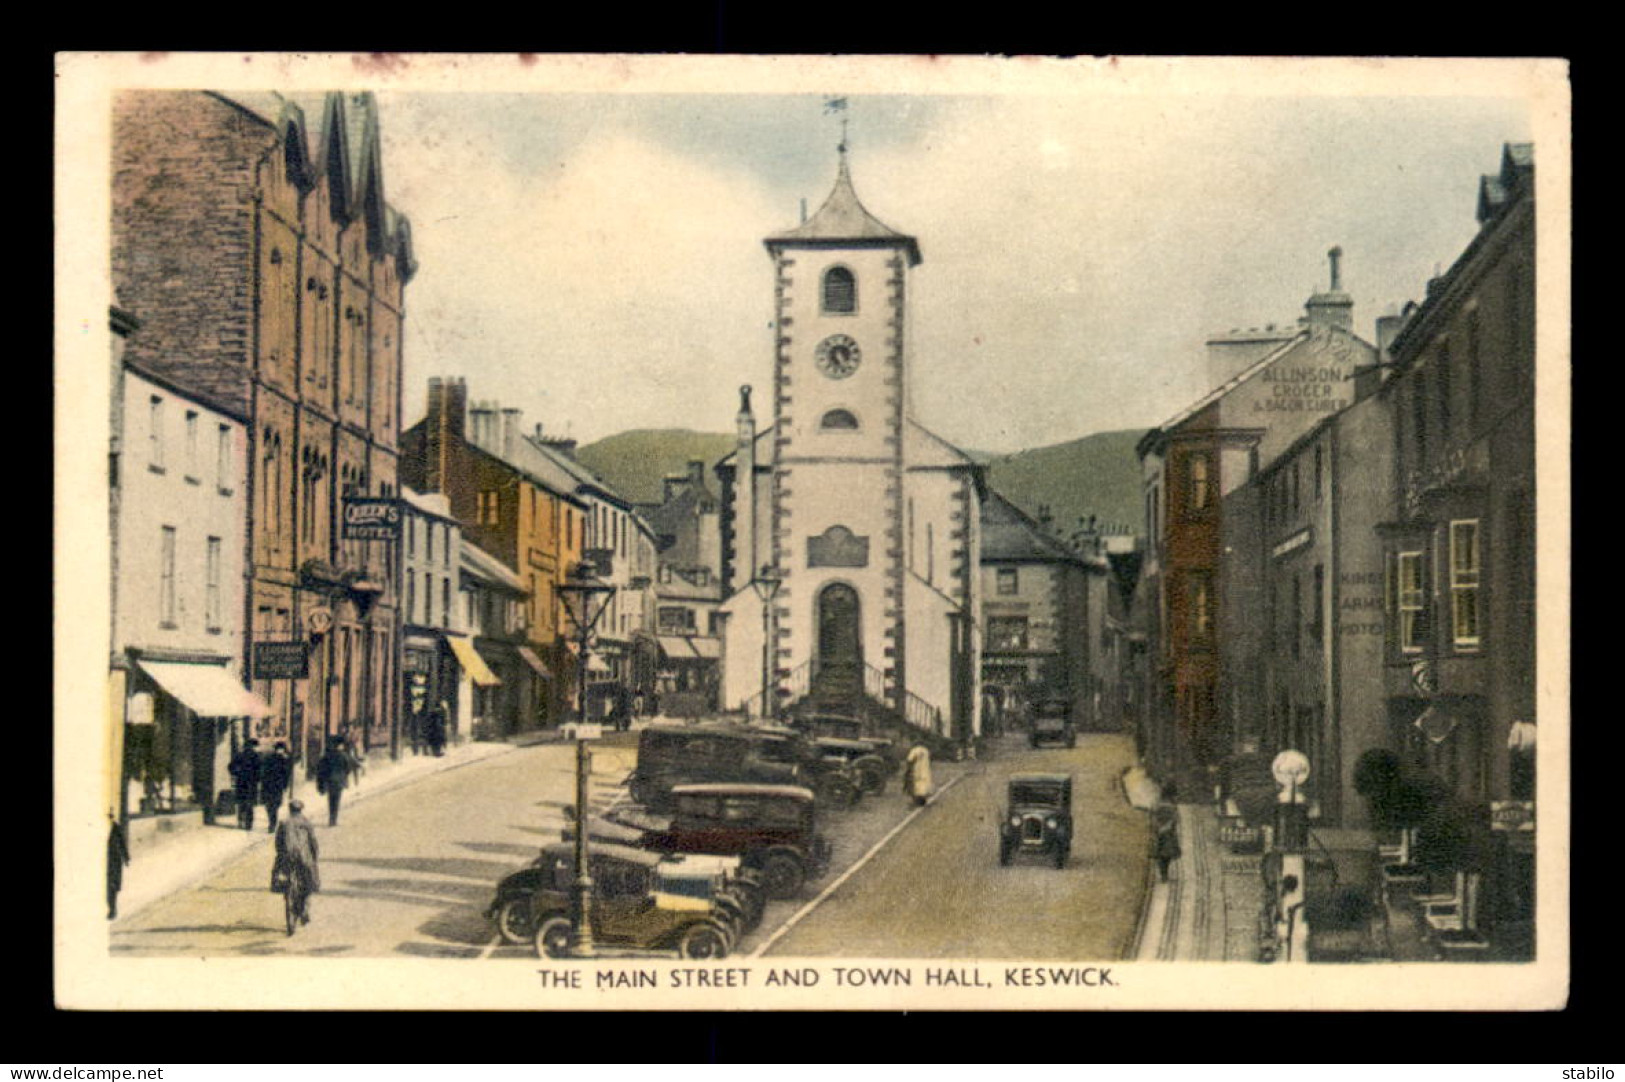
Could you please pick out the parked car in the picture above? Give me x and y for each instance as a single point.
(673, 755)
(738, 891)
(873, 759)
(826, 767)
(1052, 724)
(771, 828)
(1037, 817)
(636, 903)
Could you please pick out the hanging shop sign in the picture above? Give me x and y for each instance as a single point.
(371, 518)
(281, 660)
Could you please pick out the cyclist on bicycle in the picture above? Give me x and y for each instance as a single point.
(298, 853)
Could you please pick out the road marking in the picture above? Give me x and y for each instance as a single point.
(784, 928)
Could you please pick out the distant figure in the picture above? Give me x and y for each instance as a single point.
(917, 773)
(1165, 842)
(245, 782)
(434, 729)
(352, 753)
(414, 731)
(298, 852)
(276, 772)
(332, 774)
(118, 855)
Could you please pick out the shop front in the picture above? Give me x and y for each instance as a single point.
(184, 718)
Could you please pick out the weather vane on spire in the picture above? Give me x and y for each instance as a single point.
(838, 105)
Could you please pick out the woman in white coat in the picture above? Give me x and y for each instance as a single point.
(917, 773)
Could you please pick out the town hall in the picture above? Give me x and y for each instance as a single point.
(850, 531)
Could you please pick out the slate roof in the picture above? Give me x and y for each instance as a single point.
(1009, 534)
(843, 219)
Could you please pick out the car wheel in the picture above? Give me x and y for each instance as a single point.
(871, 778)
(783, 875)
(754, 903)
(553, 937)
(703, 940)
(516, 924)
(1061, 853)
(837, 791)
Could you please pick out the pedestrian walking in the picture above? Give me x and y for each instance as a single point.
(917, 773)
(434, 729)
(276, 772)
(1165, 843)
(298, 854)
(245, 781)
(118, 855)
(332, 775)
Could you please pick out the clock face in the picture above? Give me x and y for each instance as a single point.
(838, 356)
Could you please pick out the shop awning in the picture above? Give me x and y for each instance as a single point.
(676, 648)
(535, 662)
(706, 648)
(1522, 736)
(209, 691)
(471, 661)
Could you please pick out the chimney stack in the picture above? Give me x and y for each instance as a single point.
(510, 431)
(1334, 308)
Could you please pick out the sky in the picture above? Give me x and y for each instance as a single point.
(596, 258)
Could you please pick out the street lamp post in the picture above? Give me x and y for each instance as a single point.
(766, 585)
(584, 598)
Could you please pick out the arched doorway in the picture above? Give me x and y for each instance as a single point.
(840, 642)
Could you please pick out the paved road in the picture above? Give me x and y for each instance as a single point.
(406, 873)
(937, 889)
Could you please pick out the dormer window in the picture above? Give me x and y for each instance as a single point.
(840, 291)
(839, 421)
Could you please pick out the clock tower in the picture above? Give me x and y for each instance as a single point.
(837, 496)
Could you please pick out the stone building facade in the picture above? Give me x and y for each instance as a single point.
(251, 232)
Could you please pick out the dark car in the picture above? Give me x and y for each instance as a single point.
(673, 755)
(637, 903)
(1037, 817)
(737, 892)
(771, 828)
(1052, 724)
(830, 768)
(873, 759)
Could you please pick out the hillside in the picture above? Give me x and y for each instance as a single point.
(1096, 475)
(632, 463)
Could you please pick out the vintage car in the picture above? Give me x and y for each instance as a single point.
(673, 755)
(828, 767)
(1052, 724)
(873, 760)
(637, 903)
(771, 828)
(1037, 817)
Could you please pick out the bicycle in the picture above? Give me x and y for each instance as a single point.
(296, 900)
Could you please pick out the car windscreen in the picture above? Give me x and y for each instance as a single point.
(744, 810)
(1035, 793)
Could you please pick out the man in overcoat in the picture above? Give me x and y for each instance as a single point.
(276, 772)
(297, 850)
(245, 781)
(332, 775)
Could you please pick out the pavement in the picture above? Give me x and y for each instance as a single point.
(184, 849)
(1208, 909)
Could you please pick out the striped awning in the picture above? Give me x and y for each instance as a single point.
(471, 661)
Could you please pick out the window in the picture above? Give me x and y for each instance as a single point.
(1317, 602)
(411, 599)
(1201, 604)
(445, 602)
(1464, 582)
(428, 598)
(1007, 633)
(428, 540)
(840, 291)
(1200, 482)
(211, 587)
(166, 578)
(155, 434)
(1294, 619)
(1320, 467)
(839, 421)
(489, 511)
(222, 460)
(191, 446)
(676, 620)
(1475, 375)
(1412, 601)
(1443, 392)
(411, 540)
(1009, 582)
(1294, 488)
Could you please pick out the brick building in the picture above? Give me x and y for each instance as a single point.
(519, 506)
(251, 232)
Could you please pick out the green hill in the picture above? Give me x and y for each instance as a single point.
(1096, 475)
(633, 463)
